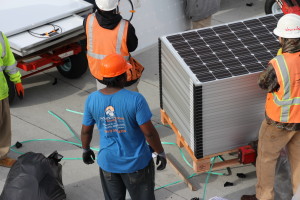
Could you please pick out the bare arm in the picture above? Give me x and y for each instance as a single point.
(152, 136)
(86, 136)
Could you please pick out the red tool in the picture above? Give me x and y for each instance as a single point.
(247, 154)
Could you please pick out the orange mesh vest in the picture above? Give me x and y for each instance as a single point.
(284, 105)
(102, 42)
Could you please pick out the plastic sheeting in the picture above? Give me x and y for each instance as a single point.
(283, 186)
(35, 177)
(297, 195)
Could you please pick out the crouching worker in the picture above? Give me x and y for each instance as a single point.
(7, 66)
(124, 120)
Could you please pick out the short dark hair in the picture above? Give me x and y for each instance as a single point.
(118, 81)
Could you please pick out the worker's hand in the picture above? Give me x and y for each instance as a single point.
(161, 160)
(20, 90)
(88, 156)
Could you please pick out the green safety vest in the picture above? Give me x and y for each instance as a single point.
(8, 65)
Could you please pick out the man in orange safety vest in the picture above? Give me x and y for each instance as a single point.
(281, 126)
(108, 33)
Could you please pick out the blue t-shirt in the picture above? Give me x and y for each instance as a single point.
(123, 147)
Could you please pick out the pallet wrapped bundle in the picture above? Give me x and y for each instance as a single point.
(208, 83)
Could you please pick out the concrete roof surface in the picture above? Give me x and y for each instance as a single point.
(31, 120)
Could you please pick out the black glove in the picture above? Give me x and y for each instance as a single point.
(88, 156)
(162, 159)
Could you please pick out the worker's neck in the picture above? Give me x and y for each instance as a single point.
(111, 90)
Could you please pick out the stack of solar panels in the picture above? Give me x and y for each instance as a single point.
(208, 82)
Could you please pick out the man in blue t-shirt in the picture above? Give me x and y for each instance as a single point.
(124, 120)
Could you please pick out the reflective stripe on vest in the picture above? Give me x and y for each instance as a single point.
(12, 69)
(3, 45)
(286, 102)
(90, 40)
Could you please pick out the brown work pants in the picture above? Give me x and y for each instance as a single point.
(5, 128)
(271, 141)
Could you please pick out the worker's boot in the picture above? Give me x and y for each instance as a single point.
(249, 197)
(7, 162)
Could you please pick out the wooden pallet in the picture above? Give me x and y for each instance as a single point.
(203, 164)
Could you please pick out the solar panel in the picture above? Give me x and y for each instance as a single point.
(228, 50)
(208, 82)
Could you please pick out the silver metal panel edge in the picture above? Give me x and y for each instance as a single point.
(176, 93)
(238, 133)
(42, 46)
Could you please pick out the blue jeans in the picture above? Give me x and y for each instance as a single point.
(140, 184)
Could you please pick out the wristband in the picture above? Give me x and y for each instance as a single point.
(162, 154)
(86, 150)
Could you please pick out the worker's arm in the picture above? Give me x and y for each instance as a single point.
(268, 80)
(143, 118)
(86, 136)
(152, 137)
(87, 128)
(132, 40)
(88, 155)
(10, 66)
(153, 140)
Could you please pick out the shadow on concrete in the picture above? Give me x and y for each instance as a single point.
(50, 86)
(237, 194)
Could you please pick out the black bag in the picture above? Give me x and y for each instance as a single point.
(35, 177)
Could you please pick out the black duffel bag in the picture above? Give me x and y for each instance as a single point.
(35, 177)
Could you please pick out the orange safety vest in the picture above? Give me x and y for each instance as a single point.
(284, 105)
(102, 42)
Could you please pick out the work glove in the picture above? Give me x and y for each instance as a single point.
(20, 90)
(279, 52)
(88, 156)
(161, 160)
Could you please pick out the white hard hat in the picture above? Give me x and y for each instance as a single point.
(288, 26)
(107, 5)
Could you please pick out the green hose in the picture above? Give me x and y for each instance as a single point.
(60, 119)
(207, 177)
(79, 144)
(52, 140)
(80, 113)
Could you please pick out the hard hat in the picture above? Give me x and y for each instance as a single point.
(113, 65)
(107, 5)
(288, 26)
